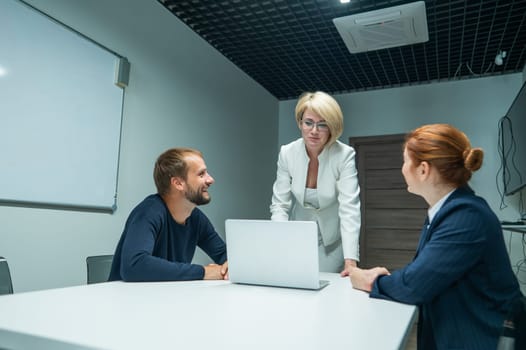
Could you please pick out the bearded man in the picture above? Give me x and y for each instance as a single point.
(162, 232)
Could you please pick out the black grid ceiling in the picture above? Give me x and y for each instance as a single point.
(292, 46)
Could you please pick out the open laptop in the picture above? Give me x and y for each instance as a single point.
(273, 253)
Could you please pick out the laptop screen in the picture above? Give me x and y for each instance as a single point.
(273, 253)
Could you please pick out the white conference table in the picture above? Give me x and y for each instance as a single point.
(202, 315)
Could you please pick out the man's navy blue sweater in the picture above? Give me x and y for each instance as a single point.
(153, 247)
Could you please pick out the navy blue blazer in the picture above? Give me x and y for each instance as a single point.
(461, 277)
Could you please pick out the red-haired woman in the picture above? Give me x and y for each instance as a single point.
(461, 277)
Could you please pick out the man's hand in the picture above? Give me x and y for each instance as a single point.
(216, 272)
(224, 270)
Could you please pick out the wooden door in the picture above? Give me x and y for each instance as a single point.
(391, 217)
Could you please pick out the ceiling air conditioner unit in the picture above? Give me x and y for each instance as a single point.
(381, 29)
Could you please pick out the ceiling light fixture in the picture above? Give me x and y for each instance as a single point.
(499, 59)
(345, 1)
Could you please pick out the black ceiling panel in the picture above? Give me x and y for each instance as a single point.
(293, 46)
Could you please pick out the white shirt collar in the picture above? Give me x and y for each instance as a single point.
(431, 212)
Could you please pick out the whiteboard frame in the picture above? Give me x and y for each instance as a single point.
(61, 114)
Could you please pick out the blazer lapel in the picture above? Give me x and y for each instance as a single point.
(426, 234)
(299, 178)
(424, 237)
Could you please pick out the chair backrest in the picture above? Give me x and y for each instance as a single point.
(6, 285)
(513, 335)
(99, 267)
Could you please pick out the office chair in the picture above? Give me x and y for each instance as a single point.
(513, 334)
(99, 267)
(6, 286)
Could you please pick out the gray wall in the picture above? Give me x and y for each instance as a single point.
(182, 92)
(473, 105)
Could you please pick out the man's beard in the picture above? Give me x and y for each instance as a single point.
(196, 197)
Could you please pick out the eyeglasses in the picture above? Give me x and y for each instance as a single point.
(309, 124)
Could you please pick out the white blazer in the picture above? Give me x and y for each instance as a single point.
(338, 193)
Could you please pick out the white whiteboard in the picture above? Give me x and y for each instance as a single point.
(60, 114)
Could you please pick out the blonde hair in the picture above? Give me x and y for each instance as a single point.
(447, 149)
(326, 107)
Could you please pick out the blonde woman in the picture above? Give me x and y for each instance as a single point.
(316, 180)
